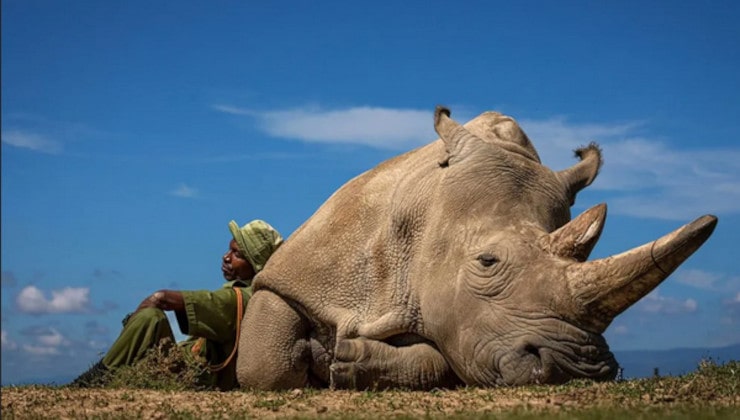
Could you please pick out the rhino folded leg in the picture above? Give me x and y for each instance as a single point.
(273, 347)
(362, 363)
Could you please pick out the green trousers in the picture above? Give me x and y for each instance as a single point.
(143, 331)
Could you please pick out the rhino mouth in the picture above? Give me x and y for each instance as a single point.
(538, 360)
(552, 353)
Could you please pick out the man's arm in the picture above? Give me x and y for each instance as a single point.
(166, 300)
(211, 314)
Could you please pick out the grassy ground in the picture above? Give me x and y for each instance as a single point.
(713, 391)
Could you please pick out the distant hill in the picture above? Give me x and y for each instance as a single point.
(641, 363)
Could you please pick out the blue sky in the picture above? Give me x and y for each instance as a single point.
(132, 132)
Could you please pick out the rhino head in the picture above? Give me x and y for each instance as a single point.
(512, 298)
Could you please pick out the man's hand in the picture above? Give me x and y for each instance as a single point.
(166, 300)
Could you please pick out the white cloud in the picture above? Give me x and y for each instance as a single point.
(228, 109)
(40, 350)
(643, 177)
(46, 341)
(32, 141)
(184, 191)
(52, 338)
(556, 138)
(372, 126)
(97, 345)
(7, 343)
(708, 281)
(698, 278)
(732, 309)
(68, 300)
(620, 330)
(681, 185)
(655, 303)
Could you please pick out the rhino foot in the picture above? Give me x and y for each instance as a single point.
(348, 371)
(345, 376)
(361, 363)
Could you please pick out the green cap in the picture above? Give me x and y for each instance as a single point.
(257, 240)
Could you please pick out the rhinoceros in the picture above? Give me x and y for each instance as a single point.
(456, 263)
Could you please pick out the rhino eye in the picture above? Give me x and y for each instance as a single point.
(487, 260)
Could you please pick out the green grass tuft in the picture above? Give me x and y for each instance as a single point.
(165, 367)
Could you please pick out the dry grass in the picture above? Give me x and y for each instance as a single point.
(713, 391)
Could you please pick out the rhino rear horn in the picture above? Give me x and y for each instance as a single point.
(577, 238)
(605, 288)
(582, 174)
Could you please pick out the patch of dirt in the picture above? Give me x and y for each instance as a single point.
(70, 403)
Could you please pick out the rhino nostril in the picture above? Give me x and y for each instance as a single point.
(530, 349)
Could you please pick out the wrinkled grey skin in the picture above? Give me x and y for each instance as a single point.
(455, 263)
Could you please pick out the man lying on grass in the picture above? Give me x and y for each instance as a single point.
(211, 318)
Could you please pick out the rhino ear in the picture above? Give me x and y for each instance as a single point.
(582, 174)
(577, 238)
(452, 134)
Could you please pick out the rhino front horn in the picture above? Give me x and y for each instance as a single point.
(605, 288)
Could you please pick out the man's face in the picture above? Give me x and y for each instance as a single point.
(235, 266)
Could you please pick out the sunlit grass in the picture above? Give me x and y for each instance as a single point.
(709, 392)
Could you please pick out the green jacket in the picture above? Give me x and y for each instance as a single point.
(212, 316)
